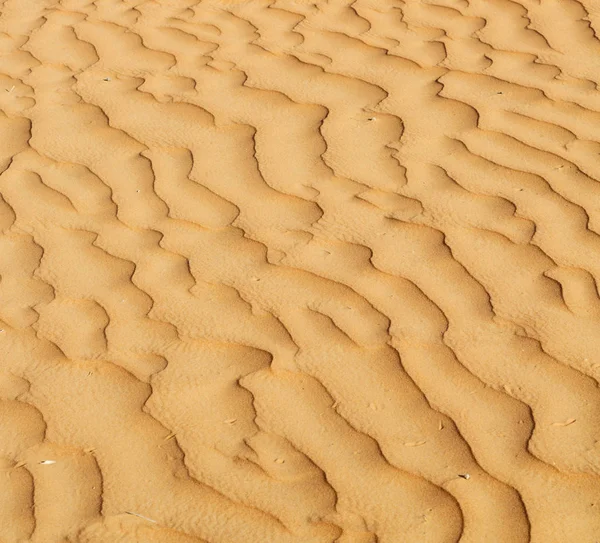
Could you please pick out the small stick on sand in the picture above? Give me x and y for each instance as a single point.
(140, 516)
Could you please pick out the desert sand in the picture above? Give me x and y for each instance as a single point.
(287, 271)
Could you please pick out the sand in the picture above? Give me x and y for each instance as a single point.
(299, 271)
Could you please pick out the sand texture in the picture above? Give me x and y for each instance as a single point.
(291, 271)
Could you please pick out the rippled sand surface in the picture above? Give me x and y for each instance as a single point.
(284, 271)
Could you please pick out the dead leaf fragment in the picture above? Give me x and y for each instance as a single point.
(415, 443)
(565, 423)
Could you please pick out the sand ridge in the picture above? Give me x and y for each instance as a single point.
(299, 271)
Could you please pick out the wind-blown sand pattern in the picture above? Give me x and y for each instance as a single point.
(299, 272)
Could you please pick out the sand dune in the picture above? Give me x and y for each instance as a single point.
(299, 271)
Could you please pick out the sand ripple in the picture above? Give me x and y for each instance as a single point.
(299, 272)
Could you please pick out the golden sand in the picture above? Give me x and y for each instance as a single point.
(284, 271)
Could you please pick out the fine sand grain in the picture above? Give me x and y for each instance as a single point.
(292, 271)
